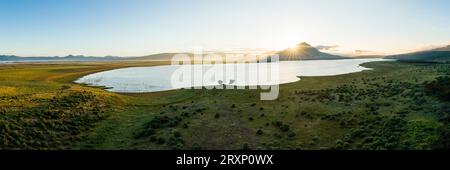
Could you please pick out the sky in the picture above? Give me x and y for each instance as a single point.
(142, 27)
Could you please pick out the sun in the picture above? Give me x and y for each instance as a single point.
(293, 47)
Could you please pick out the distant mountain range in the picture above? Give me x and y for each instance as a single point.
(13, 58)
(441, 55)
(168, 56)
(304, 51)
(156, 57)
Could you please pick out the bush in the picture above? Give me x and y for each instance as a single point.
(175, 143)
(439, 87)
(161, 140)
(196, 146)
(148, 132)
(245, 146)
(158, 122)
(153, 139)
(444, 141)
(277, 123)
(341, 144)
(291, 134)
(259, 132)
(176, 134)
(284, 128)
(277, 135)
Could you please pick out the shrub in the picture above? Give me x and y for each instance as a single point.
(161, 140)
(175, 143)
(291, 134)
(259, 132)
(284, 128)
(196, 146)
(339, 143)
(158, 122)
(439, 87)
(245, 146)
(277, 123)
(153, 139)
(176, 134)
(277, 135)
(148, 132)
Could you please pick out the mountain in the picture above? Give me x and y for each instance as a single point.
(168, 56)
(156, 57)
(440, 55)
(304, 51)
(368, 56)
(14, 58)
(446, 48)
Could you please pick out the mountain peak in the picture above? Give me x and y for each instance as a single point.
(304, 44)
(304, 51)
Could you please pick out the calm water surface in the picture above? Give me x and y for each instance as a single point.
(159, 78)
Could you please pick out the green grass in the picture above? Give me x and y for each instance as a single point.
(384, 108)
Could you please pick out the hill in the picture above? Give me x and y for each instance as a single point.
(155, 57)
(439, 55)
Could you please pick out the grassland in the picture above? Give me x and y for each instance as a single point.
(385, 108)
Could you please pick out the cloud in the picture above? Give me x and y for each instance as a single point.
(367, 52)
(327, 47)
(363, 51)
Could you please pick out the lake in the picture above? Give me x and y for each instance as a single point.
(161, 78)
